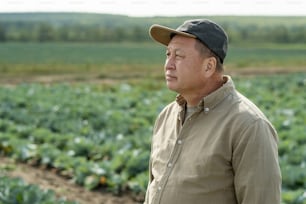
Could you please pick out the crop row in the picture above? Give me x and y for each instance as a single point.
(16, 191)
(99, 136)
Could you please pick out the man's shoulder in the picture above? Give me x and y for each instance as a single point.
(172, 106)
(249, 109)
(248, 114)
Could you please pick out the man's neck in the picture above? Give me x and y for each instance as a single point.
(193, 99)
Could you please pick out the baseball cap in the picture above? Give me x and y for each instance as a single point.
(208, 32)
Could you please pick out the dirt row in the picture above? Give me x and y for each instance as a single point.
(95, 79)
(46, 179)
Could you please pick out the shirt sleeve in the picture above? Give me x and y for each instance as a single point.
(255, 163)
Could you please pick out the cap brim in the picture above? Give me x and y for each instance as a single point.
(163, 34)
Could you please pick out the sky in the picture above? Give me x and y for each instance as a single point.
(146, 8)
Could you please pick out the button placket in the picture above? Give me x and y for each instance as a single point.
(170, 164)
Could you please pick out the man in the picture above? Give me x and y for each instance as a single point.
(212, 145)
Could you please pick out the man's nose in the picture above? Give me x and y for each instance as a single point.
(169, 64)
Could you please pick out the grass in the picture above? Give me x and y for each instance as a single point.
(79, 53)
(129, 59)
(267, 55)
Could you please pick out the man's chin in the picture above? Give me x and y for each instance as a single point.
(171, 86)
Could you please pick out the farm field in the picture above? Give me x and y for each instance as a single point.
(98, 136)
(130, 60)
(85, 112)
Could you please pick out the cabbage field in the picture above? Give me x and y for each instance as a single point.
(99, 135)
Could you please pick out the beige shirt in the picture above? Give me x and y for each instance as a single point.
(224, 153)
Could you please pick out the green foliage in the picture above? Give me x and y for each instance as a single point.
(16, 191)
(90, 133)
(99, 136)
(294, 197)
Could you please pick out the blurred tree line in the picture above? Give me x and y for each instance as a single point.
(108, 28)
(46, 32)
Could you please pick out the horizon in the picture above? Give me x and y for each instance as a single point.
(159, 8)
(96, 13)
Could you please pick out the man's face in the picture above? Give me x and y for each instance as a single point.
(183, 66)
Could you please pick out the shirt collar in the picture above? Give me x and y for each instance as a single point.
(210, 101)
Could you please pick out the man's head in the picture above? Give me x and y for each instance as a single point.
(210, 34)
(195, 53)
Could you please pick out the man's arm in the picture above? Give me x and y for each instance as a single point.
(256, 167)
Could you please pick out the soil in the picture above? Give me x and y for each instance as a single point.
(11, 80)
(63, 187)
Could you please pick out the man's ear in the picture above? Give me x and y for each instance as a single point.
(210, 65)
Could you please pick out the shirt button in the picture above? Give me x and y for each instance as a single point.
(206, 110)
(159, 188)
(179, 142)
(169, 165)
